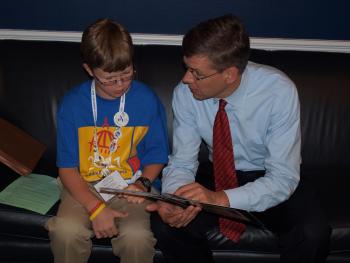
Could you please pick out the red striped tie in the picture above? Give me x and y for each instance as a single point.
(224, 168)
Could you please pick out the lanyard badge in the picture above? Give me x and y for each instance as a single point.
(121, 119)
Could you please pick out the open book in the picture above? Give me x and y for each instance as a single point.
(222, 211)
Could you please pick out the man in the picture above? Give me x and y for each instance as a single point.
(259, 108)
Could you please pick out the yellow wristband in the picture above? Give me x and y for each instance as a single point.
(97, 211)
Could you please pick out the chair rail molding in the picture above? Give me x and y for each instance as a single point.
(340, 46)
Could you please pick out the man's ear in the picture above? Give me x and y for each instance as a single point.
(231, 75)
(88, 69)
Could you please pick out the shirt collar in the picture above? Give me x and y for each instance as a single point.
(237, 98)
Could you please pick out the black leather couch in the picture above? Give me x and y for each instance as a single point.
(34, 75)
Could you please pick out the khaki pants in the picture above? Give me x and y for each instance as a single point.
(70, 232)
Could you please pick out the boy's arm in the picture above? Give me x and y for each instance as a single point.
(103, 224)
(151, 172)
(78, 188)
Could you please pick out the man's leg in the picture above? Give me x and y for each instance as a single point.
(135, 241)
(70, 232)
(187, 244)
(300, 221)
(302, 227)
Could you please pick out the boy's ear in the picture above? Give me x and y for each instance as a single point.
(231, 74)
(88, 69)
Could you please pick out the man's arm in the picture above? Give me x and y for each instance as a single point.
(183, 162)
(282, 158)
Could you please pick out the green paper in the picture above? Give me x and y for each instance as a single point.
(35, 192)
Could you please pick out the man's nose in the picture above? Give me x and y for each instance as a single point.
(188, 77)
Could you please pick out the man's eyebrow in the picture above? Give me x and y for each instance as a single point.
(192, 69)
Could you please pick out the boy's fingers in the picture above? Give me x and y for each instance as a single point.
(120, 214)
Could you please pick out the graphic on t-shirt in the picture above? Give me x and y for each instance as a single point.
(124, 159)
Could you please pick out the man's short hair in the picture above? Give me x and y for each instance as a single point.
(223, 40)
(106, 44)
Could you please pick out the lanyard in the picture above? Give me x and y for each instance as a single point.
(121, 119)
(121, 112)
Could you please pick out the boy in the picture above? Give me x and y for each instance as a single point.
(110, 131)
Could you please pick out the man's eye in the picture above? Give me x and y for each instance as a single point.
(194, 73)
(197, 75)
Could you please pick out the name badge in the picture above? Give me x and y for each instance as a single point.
(114, 180)
(121, 118)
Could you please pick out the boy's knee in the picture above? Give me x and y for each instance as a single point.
(133, 238)
(137, 237)
(67, 230)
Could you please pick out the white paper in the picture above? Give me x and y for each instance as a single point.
(114, 180)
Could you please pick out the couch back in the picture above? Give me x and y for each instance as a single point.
(34, 75)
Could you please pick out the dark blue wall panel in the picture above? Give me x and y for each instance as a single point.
(310, 19)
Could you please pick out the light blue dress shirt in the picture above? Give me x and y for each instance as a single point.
(264, 116)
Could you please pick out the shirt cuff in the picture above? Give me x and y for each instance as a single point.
(238, 198)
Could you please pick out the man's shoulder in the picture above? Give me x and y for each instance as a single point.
(267, 77)
(182, 92)
(181, 87)
(265, 71)
(268, 84)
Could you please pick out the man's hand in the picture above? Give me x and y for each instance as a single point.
(104, 223)
(174, 215)
(197, 192)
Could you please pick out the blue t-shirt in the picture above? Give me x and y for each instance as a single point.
(144, 140)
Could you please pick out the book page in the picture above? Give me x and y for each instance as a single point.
(35, 192)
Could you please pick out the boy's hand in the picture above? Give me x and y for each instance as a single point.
(134, 199)
(104, 223)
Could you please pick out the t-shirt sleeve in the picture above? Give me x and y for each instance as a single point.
(67, 138)
(154, 148)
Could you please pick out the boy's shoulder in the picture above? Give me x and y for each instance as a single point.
(143, 90)
(78, 90)
(141, 87)
(79, 93)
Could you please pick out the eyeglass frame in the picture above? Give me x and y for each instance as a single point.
(193, 73)
(118, 81)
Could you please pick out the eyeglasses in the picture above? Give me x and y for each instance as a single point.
(199, 78)
(126, 77)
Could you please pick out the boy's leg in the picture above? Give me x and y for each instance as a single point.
(302, 227)
(135, 241)
(70, 232)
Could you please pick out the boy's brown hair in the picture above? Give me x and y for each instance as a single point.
(107, 45)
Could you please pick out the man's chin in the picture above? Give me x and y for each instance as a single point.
(198, 96)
